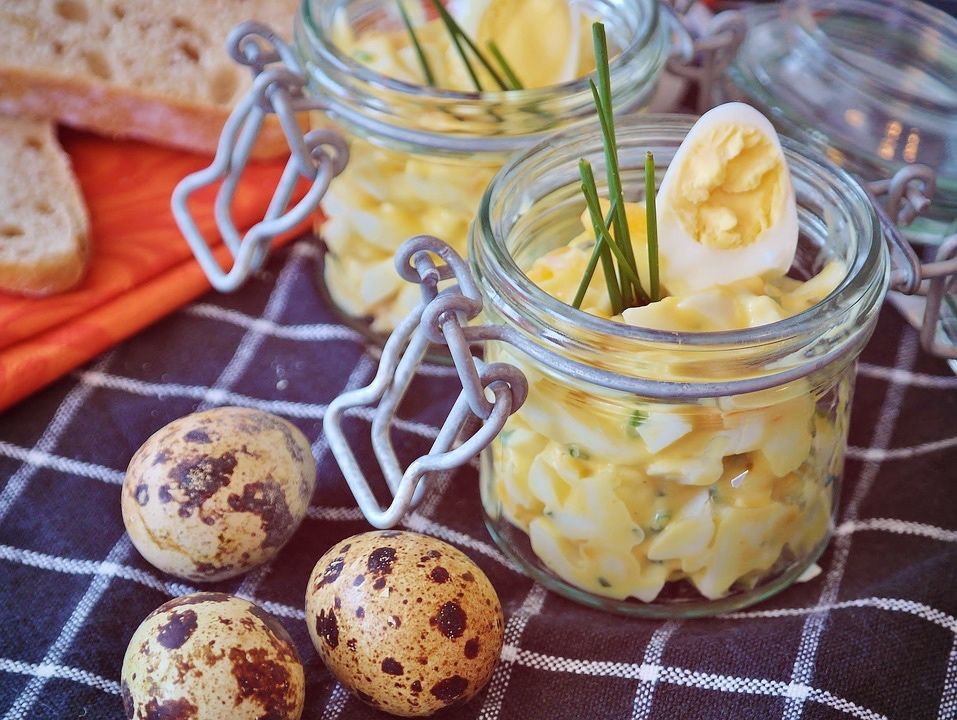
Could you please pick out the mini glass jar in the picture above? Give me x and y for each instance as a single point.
(871, 83)
(658, 473)
(420, 157)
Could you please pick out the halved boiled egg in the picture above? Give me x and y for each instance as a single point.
(726, 206)
(538, 38)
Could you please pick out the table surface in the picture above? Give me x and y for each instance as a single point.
(872, 636)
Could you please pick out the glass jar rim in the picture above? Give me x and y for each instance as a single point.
(871, 261)
(802, 13)
(394, 113)
(321, 41)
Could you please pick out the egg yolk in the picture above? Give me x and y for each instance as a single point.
(730, 187)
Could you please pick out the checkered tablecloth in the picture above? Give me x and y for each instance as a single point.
(873, 636)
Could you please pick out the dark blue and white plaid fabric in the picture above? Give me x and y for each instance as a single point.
(873, 636)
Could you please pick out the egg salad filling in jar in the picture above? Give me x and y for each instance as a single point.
(682, 457)
(422, 153)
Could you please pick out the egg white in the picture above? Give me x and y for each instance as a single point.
(689, 266)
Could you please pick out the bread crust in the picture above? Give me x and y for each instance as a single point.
(44, 224)
(121, 112)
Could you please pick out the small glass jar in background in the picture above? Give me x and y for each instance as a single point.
(871, 83)
(420, 157)
(700, 472)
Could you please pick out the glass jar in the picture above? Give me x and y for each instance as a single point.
(660, 473)
(421, 157)
(871, 83)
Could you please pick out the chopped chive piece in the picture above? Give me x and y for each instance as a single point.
(624, 269)
(651, 221)
(632, 293)
(590, 191)
(624, 284)
(420, 53)
(576, 452)
(459, 36)
(637, 419)
(513, 80)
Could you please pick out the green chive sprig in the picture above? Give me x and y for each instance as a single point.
(419, 51)
(612, 235)
(505, 77)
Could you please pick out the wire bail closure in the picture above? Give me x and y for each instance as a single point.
(318, 156)
(440, 318)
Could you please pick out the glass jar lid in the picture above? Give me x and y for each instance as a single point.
(872, 84)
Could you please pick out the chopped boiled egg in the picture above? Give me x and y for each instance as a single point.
(726, 206)
(538, 38)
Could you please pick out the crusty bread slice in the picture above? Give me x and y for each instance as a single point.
(44, 228)
(155, 70)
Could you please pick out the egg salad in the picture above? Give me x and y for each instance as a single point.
(621, 495)
(387, 195)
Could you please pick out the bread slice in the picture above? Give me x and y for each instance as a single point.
(155, 70)
(44, 227)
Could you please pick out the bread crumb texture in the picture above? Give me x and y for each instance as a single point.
(44, 227)
(173, 48)
(157, 57)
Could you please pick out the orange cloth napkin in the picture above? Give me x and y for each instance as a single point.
(141, 266)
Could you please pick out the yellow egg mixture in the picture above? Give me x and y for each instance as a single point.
(620, 496)
(386, 196)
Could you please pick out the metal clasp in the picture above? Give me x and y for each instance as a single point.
(702, 54)
(925, 285)
(318, 156)
(439, 318)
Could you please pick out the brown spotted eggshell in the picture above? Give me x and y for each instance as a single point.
(406, 622)
(212, 656)
(218, 492)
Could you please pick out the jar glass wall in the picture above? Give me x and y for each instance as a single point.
(701, 472)
(421, 156)
(871, 83)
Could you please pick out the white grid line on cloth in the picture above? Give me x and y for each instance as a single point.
(420, 524)
(912, 607)
(75, 566)
(897, 527)
(321, 332)
(691, 678)
(337, 702)
(62, 672)
(901, 376)
(948, 700)
(429, 527)
(36, 459)
(514, 628)
(165, 391)
(23, 704)
(280, 407)
(271, 328)
(252, 340)
(805, 659)
(645, 693)
(877, 455)
(51, 436)
(244, 356)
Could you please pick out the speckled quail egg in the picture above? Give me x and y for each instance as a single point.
(211, 656)
(218, 492)
(407, 622)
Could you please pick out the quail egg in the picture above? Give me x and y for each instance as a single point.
(406, 622)
(211, 656)
(218, 492)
